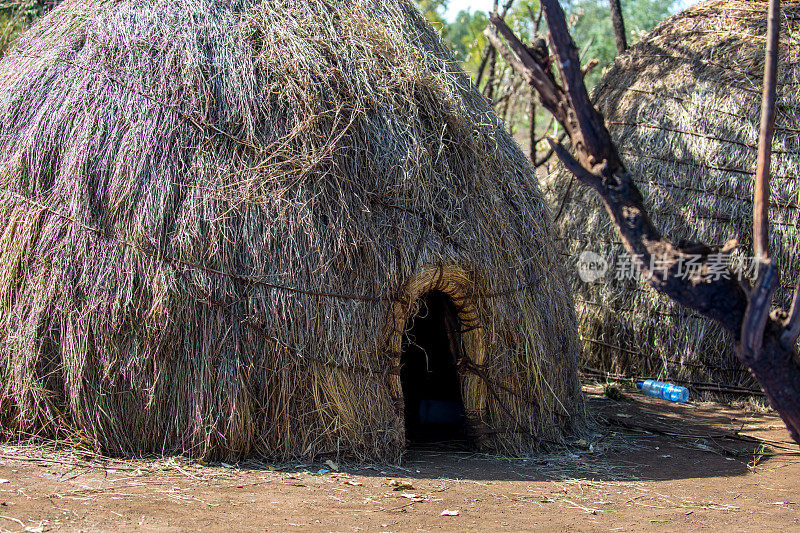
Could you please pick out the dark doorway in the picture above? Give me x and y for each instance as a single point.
(434, 409)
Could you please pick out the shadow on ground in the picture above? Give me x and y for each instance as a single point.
(636, 439)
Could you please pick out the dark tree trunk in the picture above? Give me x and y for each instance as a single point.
(619, 26)
(488, 89)
(487, 51)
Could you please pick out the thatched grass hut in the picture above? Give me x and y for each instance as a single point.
(232, 228)
(683, 106)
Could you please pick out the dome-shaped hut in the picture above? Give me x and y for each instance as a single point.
(269, 227)
(683, 106)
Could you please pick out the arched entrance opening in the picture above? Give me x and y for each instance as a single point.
(432, 389)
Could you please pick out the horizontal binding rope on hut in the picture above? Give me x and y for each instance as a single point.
(465, 365)
(246, 279)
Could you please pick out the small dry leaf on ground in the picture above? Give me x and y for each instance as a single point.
(400, 485)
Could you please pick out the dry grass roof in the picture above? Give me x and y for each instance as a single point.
(216, 217)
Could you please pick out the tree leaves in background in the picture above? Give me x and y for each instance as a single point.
(590, 21)
(16, 16)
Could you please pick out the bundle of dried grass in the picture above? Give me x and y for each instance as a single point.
(218, 216)
(683, 107)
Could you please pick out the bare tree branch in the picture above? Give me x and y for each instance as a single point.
(587, 68)
(760, 296)
(759, 301)
(532, 142)
(489, 50)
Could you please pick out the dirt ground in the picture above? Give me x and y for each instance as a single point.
(650, 465)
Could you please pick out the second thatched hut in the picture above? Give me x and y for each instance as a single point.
(683, 106)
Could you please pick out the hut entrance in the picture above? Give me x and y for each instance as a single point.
(434, 408)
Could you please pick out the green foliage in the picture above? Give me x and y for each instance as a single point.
(10, 28)
(465, 34)
(592, 24)
(466, 39)
(612, 392)
(432, 9)
(590, 21)
(15, 17)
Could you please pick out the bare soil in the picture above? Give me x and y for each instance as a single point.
(650, 464)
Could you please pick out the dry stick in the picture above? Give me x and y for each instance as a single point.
(761, 295)
(761, 193)
(67, 463)
(532, 108)
(12, 519)
(673, 432)
(761, 340)
(593, 62)
(489, 50)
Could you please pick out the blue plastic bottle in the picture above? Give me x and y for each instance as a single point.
(667, 391)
